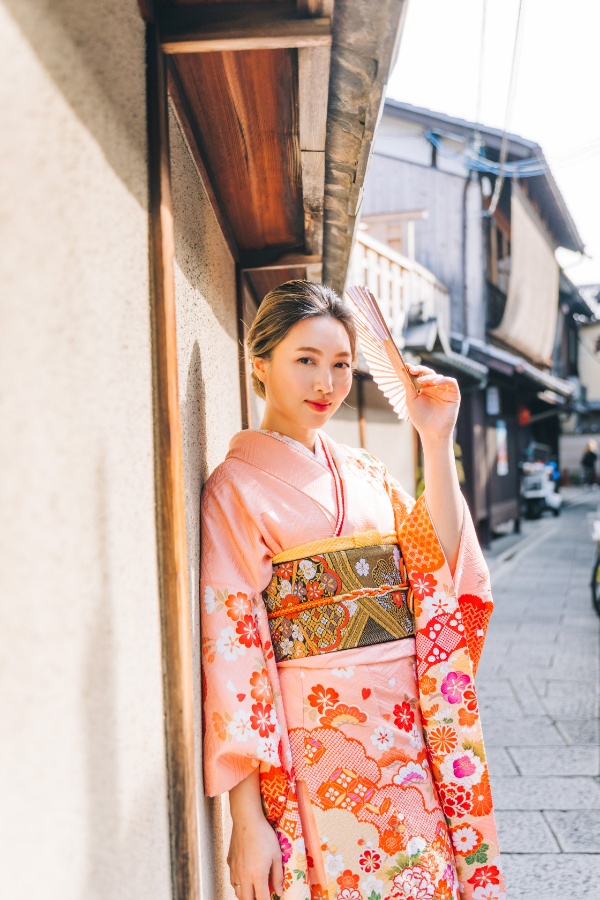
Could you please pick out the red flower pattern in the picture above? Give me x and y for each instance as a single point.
(322, 697)
(247, 633)
(485, 875)
(404, 717)
(261, 719)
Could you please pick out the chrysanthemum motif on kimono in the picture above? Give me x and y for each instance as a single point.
(372, 764)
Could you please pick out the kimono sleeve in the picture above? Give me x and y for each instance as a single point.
(429, 573)
(241, 727)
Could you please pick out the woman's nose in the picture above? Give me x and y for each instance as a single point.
(324, 381)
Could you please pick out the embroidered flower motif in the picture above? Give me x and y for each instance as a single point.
(285, 845)
(334, 863)
(286, 647)
(297, 632)
(442, 740)
(322, 697)
(330, 583)
(482, 799)
(349, 894)
(454, 685)
(470, 699)
(262, 719)
(261, 687)
(466, 718)
(485, 875)
(428, 684)
(220, 725)
(308, 569)
(371, 885)
(414, 882)
(456, 800)
(438, 604)
(228, 644)
(314, 590)
(362, 566)
(383, 738)
(240, 728)
(489, 892)
(348, 879)
(465, 839)
(285, 588)
(416, 845)
(423, 585)
(343, 714)
(285, 570)
(209, 599)
(246, 630)
(268, 750)
(343, 672)
(416, 738)
(411, 773)
(370, 860)
(238, 605)
(404, 717)
(463, 767)
(392, 842)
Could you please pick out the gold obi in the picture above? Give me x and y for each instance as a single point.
(338, 594)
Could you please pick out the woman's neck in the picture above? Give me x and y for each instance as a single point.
(305, 436)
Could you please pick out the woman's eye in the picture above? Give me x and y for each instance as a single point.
(343, 365)
(304, 360)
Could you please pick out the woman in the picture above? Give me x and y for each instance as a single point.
(317, 571)
(588, 463)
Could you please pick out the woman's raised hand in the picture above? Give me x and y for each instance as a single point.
(254, 858)
(434, 410)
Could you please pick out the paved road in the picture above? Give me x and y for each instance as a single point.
(538, 686)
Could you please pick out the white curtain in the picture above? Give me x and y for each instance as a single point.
(529, 321)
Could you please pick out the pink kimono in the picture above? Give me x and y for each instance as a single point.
(372, 765)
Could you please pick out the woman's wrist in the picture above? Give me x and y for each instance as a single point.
(437, 442)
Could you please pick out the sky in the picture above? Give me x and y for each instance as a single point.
(556, 100)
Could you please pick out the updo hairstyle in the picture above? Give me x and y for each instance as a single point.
(287, 304)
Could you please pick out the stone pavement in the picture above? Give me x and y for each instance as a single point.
(538, 685)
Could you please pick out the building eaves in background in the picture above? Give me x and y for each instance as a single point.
(543, 187)
(510, 366)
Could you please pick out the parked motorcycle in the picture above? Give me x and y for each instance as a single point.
(539, 482)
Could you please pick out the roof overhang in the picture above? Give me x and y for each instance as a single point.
(279, 102)
(512, 366)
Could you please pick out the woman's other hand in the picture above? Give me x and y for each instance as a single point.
(254, 857)
(434, 410)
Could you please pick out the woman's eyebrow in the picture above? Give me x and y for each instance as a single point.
(320, 352)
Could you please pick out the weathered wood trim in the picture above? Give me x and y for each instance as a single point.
(243, 358)
(240, 26)
(313, 198)
(195, 143)
(287, 261)
(170, 516)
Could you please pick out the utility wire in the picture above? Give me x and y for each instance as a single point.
(509, 105)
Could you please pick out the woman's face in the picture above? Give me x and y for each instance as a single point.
(307, 377)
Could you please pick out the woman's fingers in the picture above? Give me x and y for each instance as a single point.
(277, 876)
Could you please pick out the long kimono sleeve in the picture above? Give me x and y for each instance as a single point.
(242, 727)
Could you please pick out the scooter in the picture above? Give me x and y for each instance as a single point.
(538, 490)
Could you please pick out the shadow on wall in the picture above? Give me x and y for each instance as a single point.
(95, 55)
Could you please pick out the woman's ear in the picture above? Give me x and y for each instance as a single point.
(259, 366)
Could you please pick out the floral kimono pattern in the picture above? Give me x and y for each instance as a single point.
(371, 759)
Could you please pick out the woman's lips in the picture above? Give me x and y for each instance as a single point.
(318, 407)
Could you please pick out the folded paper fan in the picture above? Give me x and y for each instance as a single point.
(383, 357)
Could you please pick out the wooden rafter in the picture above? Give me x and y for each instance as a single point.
(240, 26)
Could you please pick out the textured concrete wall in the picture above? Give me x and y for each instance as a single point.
(210, 411)
(82, 763)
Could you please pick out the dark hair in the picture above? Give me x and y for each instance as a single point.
(287, 304)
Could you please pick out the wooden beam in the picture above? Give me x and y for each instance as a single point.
(170, 517)
(196, 147)
(313, 94)
(240, 26)
(313, 194)
(289, 260)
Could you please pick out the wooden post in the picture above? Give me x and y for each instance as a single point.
(170, 514)
(362, 419)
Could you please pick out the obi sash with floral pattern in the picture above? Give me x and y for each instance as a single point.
(338, 594)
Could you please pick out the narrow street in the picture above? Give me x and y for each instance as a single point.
(539, 693)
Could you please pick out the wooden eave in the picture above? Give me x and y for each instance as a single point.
(282, 146)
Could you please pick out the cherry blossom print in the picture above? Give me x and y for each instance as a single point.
(438, 604)
(314, 590)
(285, 570)
(423, 585)
(285, 588)
(404, 717)
(411, 773)
(489, 892)
(482, 799)
(416, 845)
(247, 632)
(383, 738)
(316, 891)
(371, 885)
(463, 767)
(219, 725)
(442, 740)
(484, 875)
(285, 845)
(334, 863)
(322, 697)
(362, 567)
(261, 687)
(453, 686)
(262, 719)
(428, 684)
(209, 598)
(444, 891)
(370, 860)
(238, 606)
(268, 750)
(392, 842)
(348, 879)
(240, 727)
(343, 672)
(465, 839)
(414, 882)
(466, 718)
(349, 894)
(416, 738)
(308, 569)
(228, 645)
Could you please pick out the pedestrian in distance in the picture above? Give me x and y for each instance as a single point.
(588, 464)
(342, 624)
